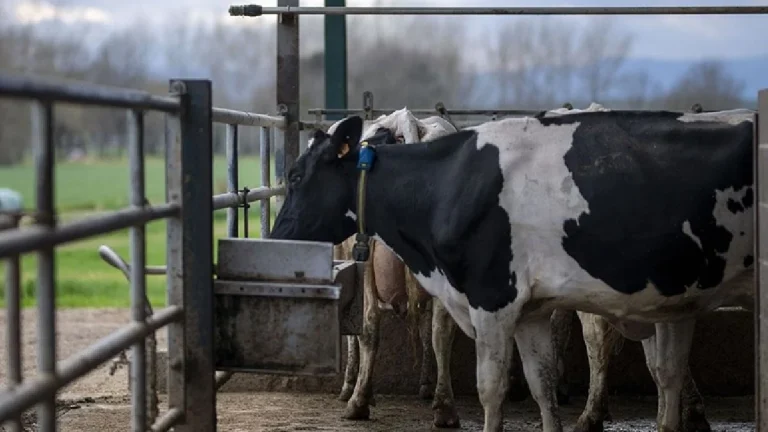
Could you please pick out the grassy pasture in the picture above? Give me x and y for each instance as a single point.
(85, 188)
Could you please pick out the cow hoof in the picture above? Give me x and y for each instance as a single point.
(696, 422)
(425, 392)
(355, 412)
(588, 424)
(446, 417)
(346, 393)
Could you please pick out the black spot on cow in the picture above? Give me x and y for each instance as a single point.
(661, 174)
(733, 206)
(748, 261)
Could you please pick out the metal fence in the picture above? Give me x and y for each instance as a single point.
(188, 210)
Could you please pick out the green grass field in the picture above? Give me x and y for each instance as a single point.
(83, 278)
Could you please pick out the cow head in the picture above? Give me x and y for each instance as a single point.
(320, 186)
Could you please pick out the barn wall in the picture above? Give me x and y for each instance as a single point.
(722, 362)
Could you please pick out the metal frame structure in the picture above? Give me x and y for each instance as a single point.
(189, 317)
(189, 314)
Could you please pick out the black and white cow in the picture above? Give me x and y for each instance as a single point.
(637, 216)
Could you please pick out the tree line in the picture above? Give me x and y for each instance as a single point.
(528, 64)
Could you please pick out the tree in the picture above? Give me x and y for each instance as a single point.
(709, 84)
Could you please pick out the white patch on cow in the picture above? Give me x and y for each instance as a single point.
(740, 227)
(350, 214)
(593, 107)
(732, 117)
(689, 232)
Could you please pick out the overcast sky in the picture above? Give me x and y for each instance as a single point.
(659, 37)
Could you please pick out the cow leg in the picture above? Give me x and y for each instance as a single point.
(693, 415)
(358, 405)
(350, 372)
(443, 330)
(666, 354)
(600, 338)
(537, 353)
(427, 357)
(493, 346)
(562, 321)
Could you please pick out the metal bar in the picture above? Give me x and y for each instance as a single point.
(168, 420)
(264, 153)
(138, 279)
(222, 377)
(174, 239)
(13, 328)
(46, 385)
(43, 147)
(761, 271)
(45, 89)
(335, 60)
(232, 173)
(422, 111)
(229, 200)
(258, 10)
(243, 118)
(288, 89)
(197, 257)
(30, 239)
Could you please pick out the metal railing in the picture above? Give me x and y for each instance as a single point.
(189, 313)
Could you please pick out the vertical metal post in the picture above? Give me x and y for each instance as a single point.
(13, 321)
(264, 156)
(335, 61)
(368, 105)
(190, 258)
(138, 276)
(288, 89)
(42, 126)
(232, 173)
(761, 279)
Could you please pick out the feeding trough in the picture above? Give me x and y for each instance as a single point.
(282, 306)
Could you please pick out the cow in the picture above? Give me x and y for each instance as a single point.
(389, 284)
(636, 216)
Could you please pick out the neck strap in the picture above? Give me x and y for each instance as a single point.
(361, 250)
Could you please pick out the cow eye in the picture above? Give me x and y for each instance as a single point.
(295, 179)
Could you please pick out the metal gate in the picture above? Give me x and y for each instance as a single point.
(189, 315)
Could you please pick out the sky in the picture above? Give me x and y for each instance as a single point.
(656, 37)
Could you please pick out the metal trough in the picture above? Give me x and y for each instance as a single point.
(281, 307)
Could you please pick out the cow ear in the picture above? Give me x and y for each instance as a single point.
(347, 135)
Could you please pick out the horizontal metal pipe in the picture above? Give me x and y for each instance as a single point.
(168, 420)
(230, 199)
(25, 240)
(23, 397)
(19, 86)
(258, 10)
(222, 377)
(223, 115)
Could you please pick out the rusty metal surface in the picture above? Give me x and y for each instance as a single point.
(345, 274)
(275, 260)
(276, 289)
(277, 335)
(190, 252)
(287, 151)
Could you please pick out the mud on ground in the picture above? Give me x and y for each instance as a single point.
(100, 402)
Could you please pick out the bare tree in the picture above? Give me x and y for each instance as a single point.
(709, 84)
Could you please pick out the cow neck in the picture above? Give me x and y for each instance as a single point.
(385, 195)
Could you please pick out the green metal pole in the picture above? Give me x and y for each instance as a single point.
(335, 61)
